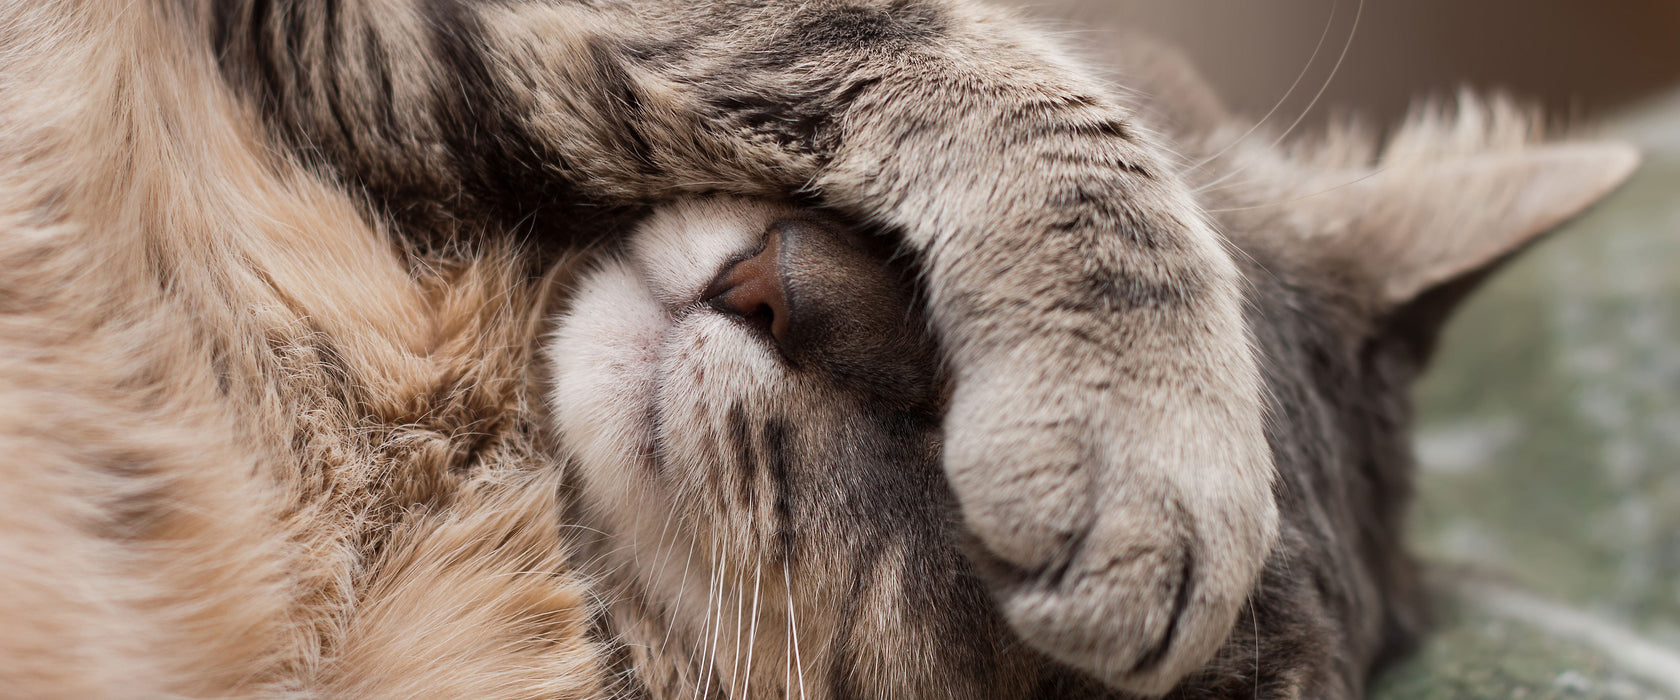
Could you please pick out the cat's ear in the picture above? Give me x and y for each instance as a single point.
(1423, 234)
(1414, 228)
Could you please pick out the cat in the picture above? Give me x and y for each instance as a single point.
(749, 403)
(256, 449)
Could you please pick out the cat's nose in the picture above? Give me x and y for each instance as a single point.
(754, 290)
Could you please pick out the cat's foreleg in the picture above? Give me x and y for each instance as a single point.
(1105, 435)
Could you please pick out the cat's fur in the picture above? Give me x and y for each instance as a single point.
(769, 521)
(1090, 315)
(247, 449)
(252, 449)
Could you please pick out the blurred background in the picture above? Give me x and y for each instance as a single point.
(1576, 58)
(1549, 443)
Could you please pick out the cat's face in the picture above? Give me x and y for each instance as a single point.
(751, 405)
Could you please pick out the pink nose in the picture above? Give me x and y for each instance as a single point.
(753, 289)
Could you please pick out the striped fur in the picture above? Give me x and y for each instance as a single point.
(275, 275)
(248, 448)
(767, 527)
(1089, 313)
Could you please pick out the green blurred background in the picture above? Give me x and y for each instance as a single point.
(1550, 456)
(1550, 434)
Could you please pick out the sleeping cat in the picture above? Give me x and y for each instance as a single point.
(269, 420)
(1089, 315)
(750, 404)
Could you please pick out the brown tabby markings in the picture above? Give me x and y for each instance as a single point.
(247, 449)
(1343, 335)
(252, 450)
(1102, 377)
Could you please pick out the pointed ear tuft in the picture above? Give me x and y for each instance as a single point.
(1419, 226)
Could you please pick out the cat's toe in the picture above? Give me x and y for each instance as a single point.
(1137, 601)
(1126, 515)
(1127, 567)
(1025, 492)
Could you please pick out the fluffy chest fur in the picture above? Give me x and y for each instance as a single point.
(251, 449)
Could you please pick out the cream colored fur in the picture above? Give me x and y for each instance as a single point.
(246, 449)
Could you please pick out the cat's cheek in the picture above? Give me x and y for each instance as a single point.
(716, 378)
(718, 383)
(710, 358)
(604, 353)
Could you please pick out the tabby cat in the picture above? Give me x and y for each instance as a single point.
(750, 405)
(254, 448)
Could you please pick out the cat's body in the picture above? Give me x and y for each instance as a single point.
(250, 449)
(255, 448)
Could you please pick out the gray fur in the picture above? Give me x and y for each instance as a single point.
(261, 441)
(869, 540)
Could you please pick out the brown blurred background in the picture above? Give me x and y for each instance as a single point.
(1578, 58)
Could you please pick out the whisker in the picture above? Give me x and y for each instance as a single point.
(597, 563)
(660, 544)
(752, 633)
(1353, 31)
(740, 612)
(682, 590)
(787, 656)
(706, 626)
(1254, 614)
(716, 616)
(1322, 37)
(1358, 13)
(793, 624)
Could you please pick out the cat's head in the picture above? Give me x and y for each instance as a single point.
(750, 407)
(1357, 250)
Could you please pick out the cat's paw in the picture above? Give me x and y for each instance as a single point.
(1120, 522)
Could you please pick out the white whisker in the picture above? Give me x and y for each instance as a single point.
(716, 616)
(682, 590)
(660, 545)
(752, 633)
(1254, 615)
(793, 626)
(1319, 48)
(1358, 13)
(735, 641)
(706, 625)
